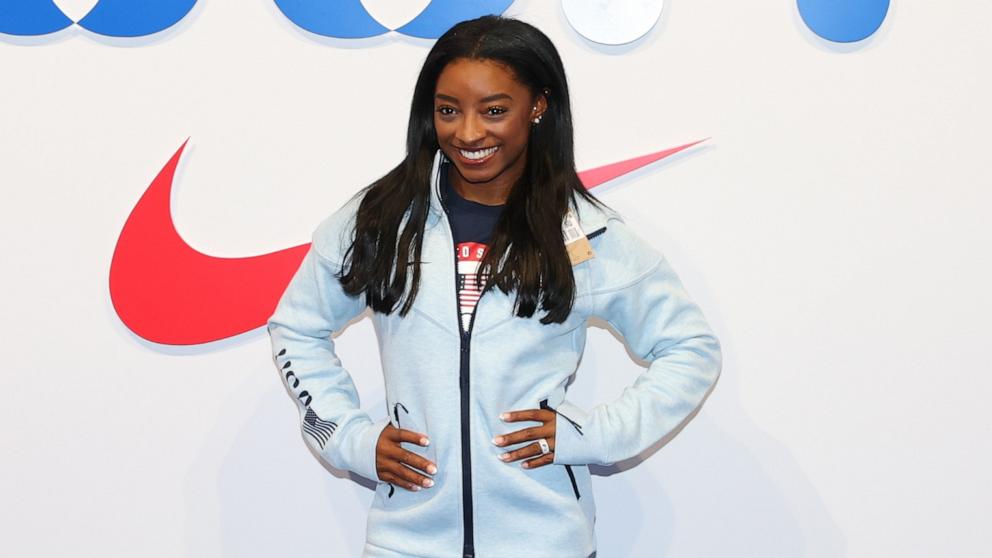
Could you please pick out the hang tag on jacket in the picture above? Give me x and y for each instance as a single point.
(576, 243)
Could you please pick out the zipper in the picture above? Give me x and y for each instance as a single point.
(468, 544)
(568, 468)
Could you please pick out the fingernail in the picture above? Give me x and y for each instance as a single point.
(526, 465)
(416, 487)
(504, 416)
(424, 442)
(504, 456)
(498, 440)
(431, 469)
(428, 483)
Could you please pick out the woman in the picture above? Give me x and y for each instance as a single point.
(503, 256)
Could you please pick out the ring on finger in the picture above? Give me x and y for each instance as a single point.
(545, 448)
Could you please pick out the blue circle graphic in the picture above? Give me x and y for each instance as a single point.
(126, 18)
(843, 21)
(31, 17)
(113, 18)
(348, 19)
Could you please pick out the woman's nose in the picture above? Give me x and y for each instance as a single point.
(470, 130)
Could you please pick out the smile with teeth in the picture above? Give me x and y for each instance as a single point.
(478, 154)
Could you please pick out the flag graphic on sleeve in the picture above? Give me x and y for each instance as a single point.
(318, 428)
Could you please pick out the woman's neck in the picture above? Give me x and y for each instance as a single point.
(495, 192)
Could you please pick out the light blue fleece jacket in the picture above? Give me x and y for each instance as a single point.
(454, 387)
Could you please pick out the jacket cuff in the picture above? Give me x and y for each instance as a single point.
(575, 443)
(356, 450)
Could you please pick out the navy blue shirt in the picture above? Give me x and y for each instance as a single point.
(470, 221)
(472, 225)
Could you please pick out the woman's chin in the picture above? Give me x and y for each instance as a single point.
(477, 175)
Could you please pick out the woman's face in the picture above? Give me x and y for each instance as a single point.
(482, 117)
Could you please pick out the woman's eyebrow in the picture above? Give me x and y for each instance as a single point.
(495, 97)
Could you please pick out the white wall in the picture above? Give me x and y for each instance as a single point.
(833, 230)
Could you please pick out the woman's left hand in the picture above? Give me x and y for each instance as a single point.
(546, 431)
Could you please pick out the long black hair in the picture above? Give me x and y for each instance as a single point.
(528, 233)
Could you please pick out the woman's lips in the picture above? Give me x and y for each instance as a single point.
(476, 162)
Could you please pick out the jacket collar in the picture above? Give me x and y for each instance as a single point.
(437, 208)
(591, 217)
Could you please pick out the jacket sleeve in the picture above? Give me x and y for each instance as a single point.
(649, 307)
(312, 308)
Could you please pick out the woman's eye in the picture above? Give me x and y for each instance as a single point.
(491, 111)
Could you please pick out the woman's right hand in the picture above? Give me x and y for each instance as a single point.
(393, 463)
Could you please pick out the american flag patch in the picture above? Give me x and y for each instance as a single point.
(319, 429)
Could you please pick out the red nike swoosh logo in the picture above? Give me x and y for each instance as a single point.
(167, 292)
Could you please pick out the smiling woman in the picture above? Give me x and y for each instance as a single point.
(482, 257)
(484, 133)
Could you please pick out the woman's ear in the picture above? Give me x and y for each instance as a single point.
(540, 104)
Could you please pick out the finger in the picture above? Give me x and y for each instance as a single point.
(404, 435)
(393, 451)
(417, 461)
(539, 461)
(410, 475)
(393, 479)
(524, 435)
(530, 450)
(539, 415)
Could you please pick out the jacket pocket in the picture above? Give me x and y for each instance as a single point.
(402, 417)
(568, 468)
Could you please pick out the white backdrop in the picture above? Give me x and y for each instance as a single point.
(833, 229)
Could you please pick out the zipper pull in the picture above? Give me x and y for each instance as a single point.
(577, 426)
